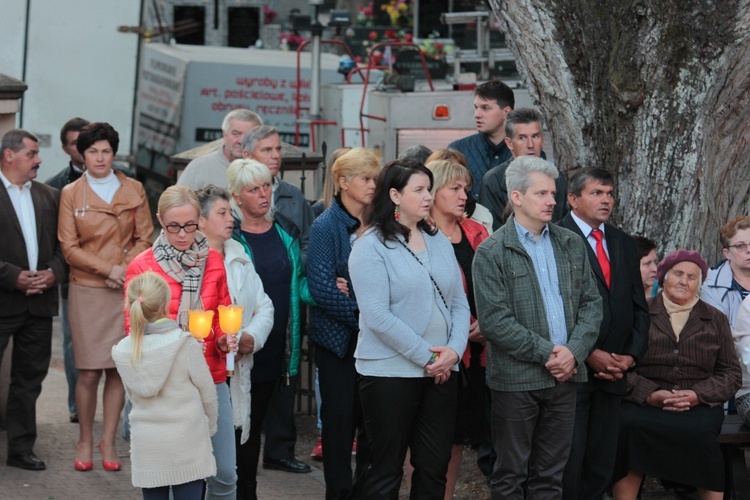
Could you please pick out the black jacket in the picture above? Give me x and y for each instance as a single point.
(13, 258)
(625, 319)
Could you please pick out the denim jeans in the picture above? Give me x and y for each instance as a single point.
(71, 374)
(185, 491)
(224, 483)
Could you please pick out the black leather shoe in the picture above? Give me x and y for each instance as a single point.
(287, 465)
(25, 460)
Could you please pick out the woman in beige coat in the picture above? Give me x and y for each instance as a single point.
(104, 223)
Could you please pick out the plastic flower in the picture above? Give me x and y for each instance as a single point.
(399, 12)
(269, 15)
(292, 39)
(365, 14)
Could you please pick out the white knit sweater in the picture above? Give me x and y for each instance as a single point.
(174, 407)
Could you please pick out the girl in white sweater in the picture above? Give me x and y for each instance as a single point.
(173, 395)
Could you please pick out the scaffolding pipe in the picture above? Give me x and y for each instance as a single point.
(315, 78)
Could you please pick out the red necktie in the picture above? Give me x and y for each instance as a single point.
(601, 256)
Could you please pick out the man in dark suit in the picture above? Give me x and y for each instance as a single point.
(623, 335)
(31, 264)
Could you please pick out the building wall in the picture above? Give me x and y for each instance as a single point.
(78, 64)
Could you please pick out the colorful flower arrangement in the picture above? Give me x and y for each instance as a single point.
(400, 13)
(269, 15)
(430, 47)
(293, 40)
(435, 49)
(365, 14)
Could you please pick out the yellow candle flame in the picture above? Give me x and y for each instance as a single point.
(199, 323)
(230, 319)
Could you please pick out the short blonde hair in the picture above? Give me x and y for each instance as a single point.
(358, 161)
(177, 196)
(447, 172)
(453, 155)
(328, 184)
(146, 298)
(246, 172)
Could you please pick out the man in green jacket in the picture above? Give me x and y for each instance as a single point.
(540, 311)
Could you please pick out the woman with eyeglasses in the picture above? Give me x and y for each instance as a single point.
(104, 222)
(195, 273)
(728, 283)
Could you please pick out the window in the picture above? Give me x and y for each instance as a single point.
(244, 26)
(189, 25)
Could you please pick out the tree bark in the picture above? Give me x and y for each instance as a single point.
(656, 92)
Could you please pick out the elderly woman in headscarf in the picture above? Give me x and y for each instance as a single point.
(674, 410)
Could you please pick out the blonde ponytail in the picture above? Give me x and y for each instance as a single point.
(147, 298)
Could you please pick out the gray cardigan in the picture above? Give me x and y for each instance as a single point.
(395, 297)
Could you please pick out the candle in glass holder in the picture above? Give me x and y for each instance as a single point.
(230, 320)
(200, 322)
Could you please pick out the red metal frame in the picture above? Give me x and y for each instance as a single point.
(365, 80)
(343, 133)
(370, 66)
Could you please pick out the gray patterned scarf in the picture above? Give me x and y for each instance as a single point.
(185, 267)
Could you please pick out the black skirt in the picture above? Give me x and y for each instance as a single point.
(679, 446)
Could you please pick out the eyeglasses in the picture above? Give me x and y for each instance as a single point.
(741, 247)
(175, 228)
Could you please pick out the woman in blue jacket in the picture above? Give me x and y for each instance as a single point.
(333, 322)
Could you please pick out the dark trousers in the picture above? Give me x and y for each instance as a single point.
(532, 431)
(248, 454)
(341, 415)
(281, 432)
(486, 455)
(187, 491)
(414, 413)
(592, 454)
(32, 348)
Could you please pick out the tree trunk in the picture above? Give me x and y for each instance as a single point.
(655, 91)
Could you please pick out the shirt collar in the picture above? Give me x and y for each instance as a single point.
(9, 184)
(495, 148)
(526, 235)
(584, 227)
(736, 286)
